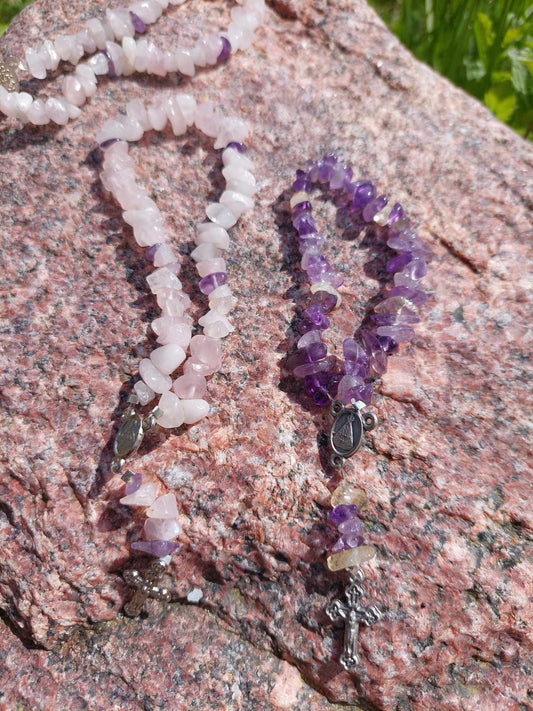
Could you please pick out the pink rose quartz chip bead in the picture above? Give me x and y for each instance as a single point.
(164, 255)
(194, 410)
(173, 302)
(196, 367)
(145, 495)
(154, 378)
(216, 325)
(206, 250)
(170, 413)
(211, 266)
(207, 350)
(221, 215)
(163, 278)
(211, 234)
(143, 392)
(190, 386)
(161, 529)
(73, 90)
(163, 507)
(167, 358)
(172, 330)
(207, 118)
(222, 300)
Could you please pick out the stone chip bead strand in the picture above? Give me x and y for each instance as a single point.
(116, 24)
(365, 354)
(391, 323)
(119, 53)
(161, 526)
(349, 551)
(181, 401)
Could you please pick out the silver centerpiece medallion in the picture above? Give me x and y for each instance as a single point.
(130, 435)
(349, 425)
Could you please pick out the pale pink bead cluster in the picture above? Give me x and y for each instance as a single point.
(182, 401)
(120, 54)
(161, 526)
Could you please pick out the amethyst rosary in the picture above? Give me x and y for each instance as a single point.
(346, 386)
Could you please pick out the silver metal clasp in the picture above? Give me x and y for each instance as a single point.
(8, 78)
(347, 430)
(130, 435)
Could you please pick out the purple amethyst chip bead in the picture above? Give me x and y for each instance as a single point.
(304, 223)
(210, 282)
(239, 147)
(110, 64)
(225, 51)
(352, 540)
(352, 525)
(372, 208)
(364, 194)
(342, 513)
(321, 397)
(338, 546)
(301, 207)
(109, 142)
(326, 300)
(396, 213)
(138, 25)
(133, 484)
(388, 344)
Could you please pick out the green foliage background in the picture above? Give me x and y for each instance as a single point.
(8, 10)
(483, 46)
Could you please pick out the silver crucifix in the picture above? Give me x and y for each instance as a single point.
(146, 587)
(353, 613)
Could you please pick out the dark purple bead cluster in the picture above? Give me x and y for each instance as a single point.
(391, 323)
(349, 525)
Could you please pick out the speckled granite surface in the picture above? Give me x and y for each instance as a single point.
(178, 659)
(446, 472)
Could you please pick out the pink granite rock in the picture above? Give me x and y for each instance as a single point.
(167, 661)
(445, 472)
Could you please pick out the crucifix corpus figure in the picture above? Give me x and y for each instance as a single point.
(352, 613)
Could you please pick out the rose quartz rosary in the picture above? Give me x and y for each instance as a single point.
(180, 401)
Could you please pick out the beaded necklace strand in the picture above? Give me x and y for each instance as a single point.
(115, 51)
(346, 387)
(182, 401)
